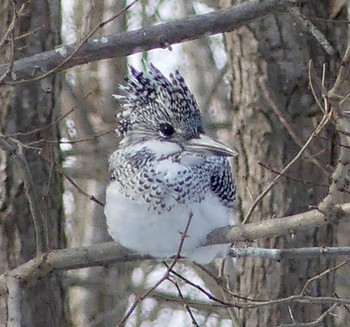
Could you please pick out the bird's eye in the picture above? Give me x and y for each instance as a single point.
(166, 129)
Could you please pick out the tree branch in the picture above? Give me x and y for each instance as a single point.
(14, 301)
(291, 225)
(103, 254)
(298, 253)
(316, 322)
(334, 101)
(152, 37)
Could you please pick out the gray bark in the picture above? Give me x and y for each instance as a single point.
(153, 37)
(23, 109)
(276, 50)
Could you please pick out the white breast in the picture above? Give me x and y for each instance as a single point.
(159, 235)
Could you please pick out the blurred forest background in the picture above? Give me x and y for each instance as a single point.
(252, 86)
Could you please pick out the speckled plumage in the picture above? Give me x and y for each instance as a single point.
(147, 97)
(158, 179)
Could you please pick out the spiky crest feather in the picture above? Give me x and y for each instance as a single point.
(153, 98)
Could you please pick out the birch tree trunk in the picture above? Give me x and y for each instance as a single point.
(269, 61)
(24, 108)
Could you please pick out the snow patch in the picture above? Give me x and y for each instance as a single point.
(62, 51)
(104, 39)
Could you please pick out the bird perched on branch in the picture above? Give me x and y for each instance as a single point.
(165, 171)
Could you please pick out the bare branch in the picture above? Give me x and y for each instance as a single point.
(296, 179)
(14, 301)
(79, 45)
(201, 289)
(312, 323)
(288, 126)
(53, 123)
(139, 299)
(100, 254)
(291, 225)
(152, 37)
(72, 181)
(340, 178)
(322, 300)
(322, 274)
(298, 253)
(9, 37)
(267, 189)
(103, 254)
(185, 303)
(313, 30)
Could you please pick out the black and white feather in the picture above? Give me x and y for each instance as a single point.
(164, 169)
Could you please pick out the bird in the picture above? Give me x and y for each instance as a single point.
(167, 174)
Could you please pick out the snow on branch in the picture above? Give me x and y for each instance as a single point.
(291, 225)
(122, 44)
(103, 254)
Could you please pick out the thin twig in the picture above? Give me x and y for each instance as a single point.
(9, 34)
(11, 26)
(200, 288)
(7, 147)
(342, 75)
(317, 130)
(185, 303)
(330, 204)
(71, 180)
(345, 307)
(288, 126)
(79, 45)
(335, 142)
(85, 139)
(322, 274)
(195, 303)
(139, 299)
(291, 315)
(311, 84)
(316, 322)
(218, 79)
(291, 177)
(53, 123)
(12, 56)
(267, 303)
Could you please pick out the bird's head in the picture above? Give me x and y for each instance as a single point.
(161, 109)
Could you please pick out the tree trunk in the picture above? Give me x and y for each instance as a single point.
(275, 52)
(25, 108)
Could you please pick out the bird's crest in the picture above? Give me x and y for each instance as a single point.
(151, 97)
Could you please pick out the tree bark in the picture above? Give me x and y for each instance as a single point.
(24, 108)
(269, 61)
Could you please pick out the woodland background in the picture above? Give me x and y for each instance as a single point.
(271, 78)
